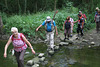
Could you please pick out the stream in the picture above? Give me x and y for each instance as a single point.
(64, 57)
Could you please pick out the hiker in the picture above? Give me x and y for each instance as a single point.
(49, 27)
(67, 25)
(84, 16)
(72, 24)
(19, 43)
(97, 21)
(80, 24)
(96, 12)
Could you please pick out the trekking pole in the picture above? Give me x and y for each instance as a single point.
(55, 14)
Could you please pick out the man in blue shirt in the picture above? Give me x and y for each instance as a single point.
(49, 27)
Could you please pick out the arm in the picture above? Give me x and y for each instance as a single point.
(6, 46)
(38, 27)
(63, 25)
(29, 44)
(75, 21)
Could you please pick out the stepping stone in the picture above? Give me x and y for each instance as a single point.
(33, 61)
(41, 55)
(56, 47)
(51, 52)
(35, 65)
(92, 43)
(42, 59)
(63, 43)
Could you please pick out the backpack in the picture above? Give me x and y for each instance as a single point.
(97, 18)
(52, 28)
(67, 25)
(20, 37)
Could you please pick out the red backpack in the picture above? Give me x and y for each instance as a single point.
(20, 37)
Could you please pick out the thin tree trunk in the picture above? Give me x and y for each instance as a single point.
(55, 6)
(6, 4)
(1, 25)
(25, 6)
(19, 7)
(36, 6)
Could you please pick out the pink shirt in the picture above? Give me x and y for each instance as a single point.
(18, 43)
(71, 20)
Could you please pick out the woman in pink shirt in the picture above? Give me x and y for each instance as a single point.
(19, 43)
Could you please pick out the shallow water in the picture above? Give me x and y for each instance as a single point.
(87, 57)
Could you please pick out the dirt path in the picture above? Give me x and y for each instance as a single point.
(90, 36)
(93, 36)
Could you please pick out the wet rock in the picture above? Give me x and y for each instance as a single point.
(91, 38)
(89, 46)
(44, 63)
(92, 43)
(42, 59)
(27, 52)
(74, 37)
(41, 55)
(56, 47)
(63, 43)
(71, 61)
(51, 52)
(33, 61)
(30, 62)
(70, 42)
(85, 40)
(35, 65)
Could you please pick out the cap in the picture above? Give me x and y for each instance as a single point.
(48, 18)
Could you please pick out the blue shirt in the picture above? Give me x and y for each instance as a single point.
(49, 25)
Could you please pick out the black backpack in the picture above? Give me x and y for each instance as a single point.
(67, 25)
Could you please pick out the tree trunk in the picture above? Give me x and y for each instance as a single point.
(55, 6)
(19, 7)
(36, 5)
(1, 25)
(25, 6)
(6, 4)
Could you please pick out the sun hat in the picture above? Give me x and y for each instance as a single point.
(97, 8)
(48, 19)
(80, 11)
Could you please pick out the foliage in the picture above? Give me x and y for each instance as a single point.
(28, 15)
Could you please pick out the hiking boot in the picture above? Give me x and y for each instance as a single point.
(65, 39)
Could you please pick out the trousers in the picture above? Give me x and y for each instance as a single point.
(50, 38)
(20, 58)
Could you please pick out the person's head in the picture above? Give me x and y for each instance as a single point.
(97, 9)
(80, 12)
(68, 18)
(48, 19)
(14, 30)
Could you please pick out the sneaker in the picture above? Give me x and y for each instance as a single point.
(71, 35)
